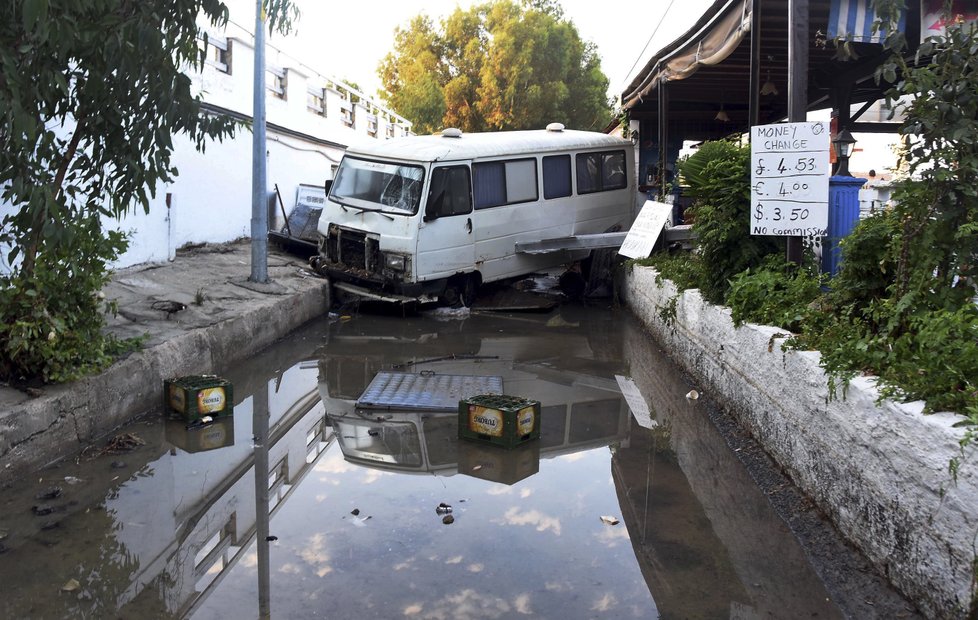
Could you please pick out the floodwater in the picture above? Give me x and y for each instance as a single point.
(629, 505)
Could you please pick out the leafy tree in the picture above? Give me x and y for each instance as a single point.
(91, 94)
(499, 65)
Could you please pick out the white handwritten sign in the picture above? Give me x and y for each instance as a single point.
(789, 179)
(636, 402)
(645, 229)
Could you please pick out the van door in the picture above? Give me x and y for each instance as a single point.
(445, 239)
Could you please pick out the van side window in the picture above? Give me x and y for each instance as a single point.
(450, 192)
(504, 182)
(601, 172)
(556, 176)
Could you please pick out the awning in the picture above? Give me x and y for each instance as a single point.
(708, 46)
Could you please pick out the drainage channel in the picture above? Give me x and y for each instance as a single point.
(637, 499)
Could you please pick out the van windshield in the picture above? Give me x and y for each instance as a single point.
(389, 187)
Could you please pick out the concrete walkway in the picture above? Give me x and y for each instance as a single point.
(220, 318)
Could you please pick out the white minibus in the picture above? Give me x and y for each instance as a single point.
(423, 218)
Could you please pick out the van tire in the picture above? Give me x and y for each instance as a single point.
(460, 291)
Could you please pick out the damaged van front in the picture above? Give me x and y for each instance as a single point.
(368, 235)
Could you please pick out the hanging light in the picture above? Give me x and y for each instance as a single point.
(722, 115)
(768, 87)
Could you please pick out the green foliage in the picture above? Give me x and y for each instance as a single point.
(776, 293)
(682, 268)
(499, 65)
(718, 177)
(91, 95)
(902, 307)
(52, 332)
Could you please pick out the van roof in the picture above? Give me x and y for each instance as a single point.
(487, 144)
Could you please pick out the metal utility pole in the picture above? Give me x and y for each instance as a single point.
(259, 180)
(797, 85)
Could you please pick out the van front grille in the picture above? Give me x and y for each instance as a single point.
(353, 249)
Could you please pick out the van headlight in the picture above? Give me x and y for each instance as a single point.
(397, 262)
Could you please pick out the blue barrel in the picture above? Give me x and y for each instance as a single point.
(843, 217)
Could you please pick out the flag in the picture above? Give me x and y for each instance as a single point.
(854, 19)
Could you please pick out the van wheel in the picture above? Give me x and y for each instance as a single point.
(460, 291)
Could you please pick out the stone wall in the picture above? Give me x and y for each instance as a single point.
(879, 471)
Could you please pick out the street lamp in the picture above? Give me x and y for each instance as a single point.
(843, 144)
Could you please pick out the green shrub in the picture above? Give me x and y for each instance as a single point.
(718, 180)
(51, 322)
(778, 293)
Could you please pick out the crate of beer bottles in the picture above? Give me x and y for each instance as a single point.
(196, 396)
(497, 419)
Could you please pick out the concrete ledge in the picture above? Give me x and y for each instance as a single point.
(880, 472)
(66, 418)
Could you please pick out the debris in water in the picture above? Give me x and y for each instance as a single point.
(123, 443)
(206, 419)
(608, 520)
(118, 465)
(70, 586)
(360, 521)
(477, 468)
(692, 395)
(448, 519)
(271, 538)
(41, 511)
(443, 508)
(73, 480)
(355, 512)
(49, 493)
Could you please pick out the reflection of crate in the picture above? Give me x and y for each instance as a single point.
(501, 420)
(196, 396)
(481, 460)
(200, 438)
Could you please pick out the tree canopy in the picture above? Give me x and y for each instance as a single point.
(504, 64)
(91, 94)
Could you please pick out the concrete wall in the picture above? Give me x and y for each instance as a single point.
(879, 471)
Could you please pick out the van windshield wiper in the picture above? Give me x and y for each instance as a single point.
(346, 206)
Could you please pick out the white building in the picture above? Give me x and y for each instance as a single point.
(311, 119)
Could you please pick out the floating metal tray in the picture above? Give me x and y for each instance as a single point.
(425, 391)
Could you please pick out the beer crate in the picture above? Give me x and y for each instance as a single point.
(506, 421)
(196, 396)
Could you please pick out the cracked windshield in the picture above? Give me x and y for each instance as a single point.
(346, 483)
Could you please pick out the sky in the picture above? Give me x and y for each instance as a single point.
(347, 40)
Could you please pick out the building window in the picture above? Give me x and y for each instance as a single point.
(347, 113)
(504, 182)
(556, 176)
(316, 101)
(276, 80)
(216, 52)
(601, 172)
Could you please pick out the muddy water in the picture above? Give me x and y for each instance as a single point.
(629, 505)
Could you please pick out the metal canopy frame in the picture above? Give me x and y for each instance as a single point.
(724, 57)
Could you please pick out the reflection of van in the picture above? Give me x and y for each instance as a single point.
(420, 217)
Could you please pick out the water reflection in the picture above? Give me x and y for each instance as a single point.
(306, 504)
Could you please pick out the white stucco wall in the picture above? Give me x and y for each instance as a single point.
(879, 471)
